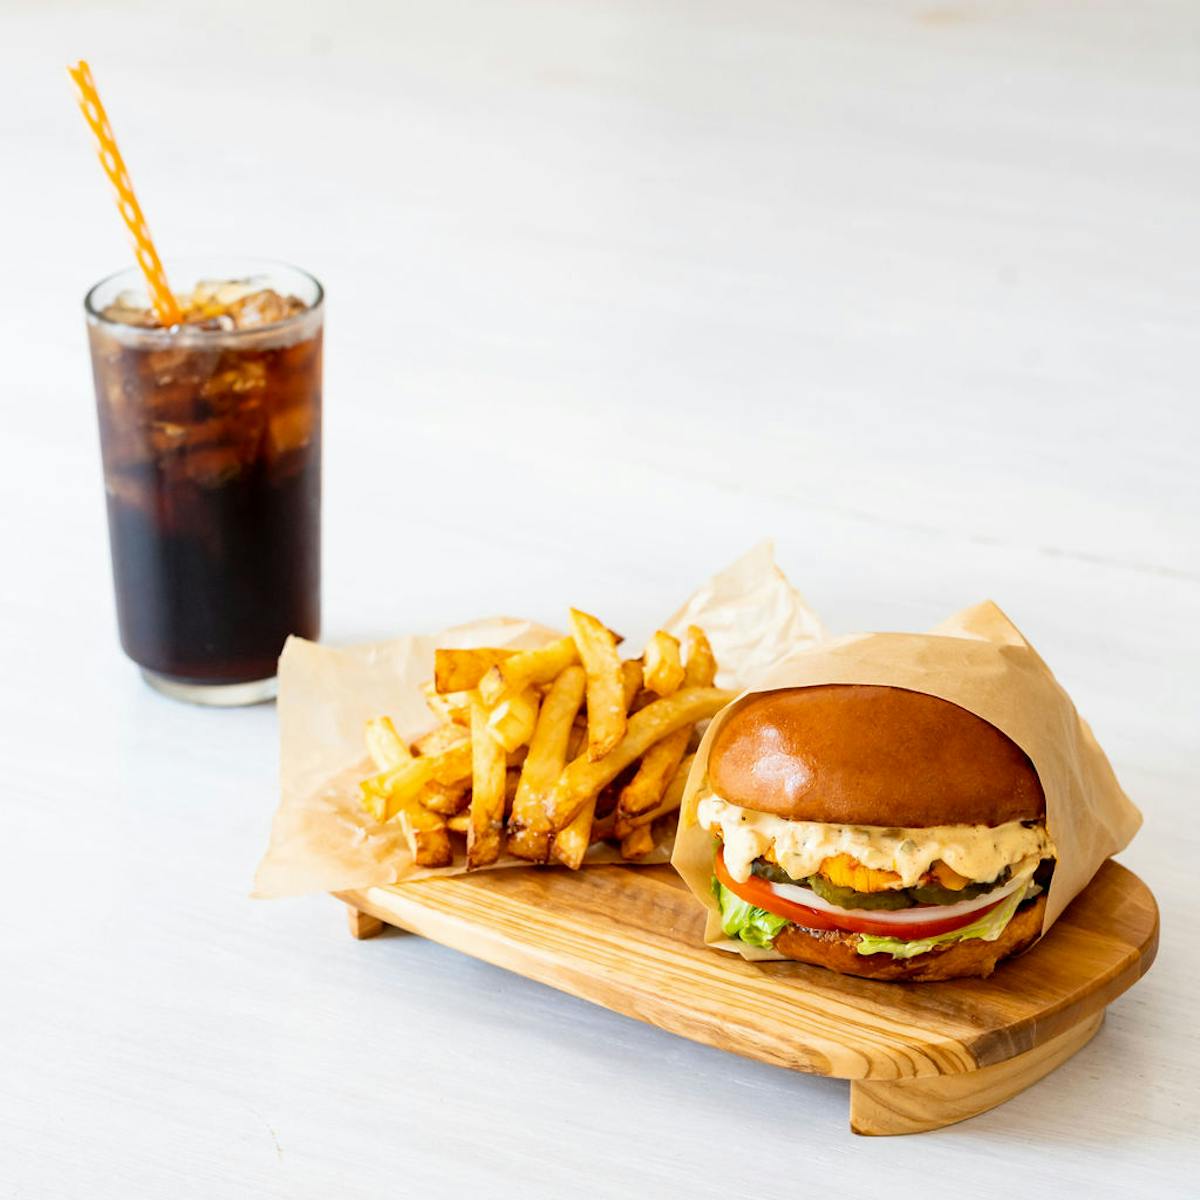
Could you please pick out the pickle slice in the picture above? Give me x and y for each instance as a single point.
(845, 897)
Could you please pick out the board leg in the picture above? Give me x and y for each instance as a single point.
(362, 925)
(915, 1105)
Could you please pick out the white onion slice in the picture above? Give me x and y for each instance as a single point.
(918, 915)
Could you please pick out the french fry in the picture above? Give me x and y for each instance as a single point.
(385, 794)
(605, 691)
(583, 779)
(529, 844)
(441, 739)
(452, 765)
(453, 706)
(461, 670)
(701, 662)
(511, 722)
(602, 827)
(663, 666)
(514, 743)
(373, 799)
(605, 827)
(491, 687)
(570, 844)
(638, 842)
(577, 740)
(385, 746)
(631, 681)
(645, 789)
(488, 778)
(529, 827)
(661, 761)
(447, 799)
(426, 835)
(528, 668)
(540, 666)
(673, 796)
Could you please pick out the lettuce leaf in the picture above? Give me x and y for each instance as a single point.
(756, 926)
(989, 927)
(742, 920)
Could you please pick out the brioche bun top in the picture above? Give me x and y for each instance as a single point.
(855, 754)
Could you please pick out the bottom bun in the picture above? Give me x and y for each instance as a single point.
(972, 957)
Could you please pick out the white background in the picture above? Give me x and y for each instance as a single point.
(615, 289)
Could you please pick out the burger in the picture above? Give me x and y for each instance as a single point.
(875, 831)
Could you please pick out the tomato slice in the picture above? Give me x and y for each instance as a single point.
(759, 893)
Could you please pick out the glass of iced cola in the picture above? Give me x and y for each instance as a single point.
(211, 438)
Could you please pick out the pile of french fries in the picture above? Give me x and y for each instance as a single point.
(545, 752)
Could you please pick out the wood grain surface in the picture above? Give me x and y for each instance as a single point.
(919, 1105)
(362, 925)
(631, 940)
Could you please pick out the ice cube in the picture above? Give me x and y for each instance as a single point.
(212, 466)
(218, 295)
(130, 491)
(131, 309)
(289, 429)
(245, 377)
(167, 436)
(261, 308)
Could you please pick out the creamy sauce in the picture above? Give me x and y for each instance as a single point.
(979, 852)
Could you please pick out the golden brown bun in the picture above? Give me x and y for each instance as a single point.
(957, 960)
(851, 754)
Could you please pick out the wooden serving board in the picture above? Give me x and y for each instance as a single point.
(918, 1056)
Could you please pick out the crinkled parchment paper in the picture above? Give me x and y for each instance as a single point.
(764, 636)
(322, 840)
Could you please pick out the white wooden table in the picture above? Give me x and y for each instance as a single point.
(616, 288)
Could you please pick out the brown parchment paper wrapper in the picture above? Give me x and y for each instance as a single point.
(321, 840)
(978, 660)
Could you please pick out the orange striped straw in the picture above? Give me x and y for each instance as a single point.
(161, 296)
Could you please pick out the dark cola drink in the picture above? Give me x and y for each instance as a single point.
(211, 440)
